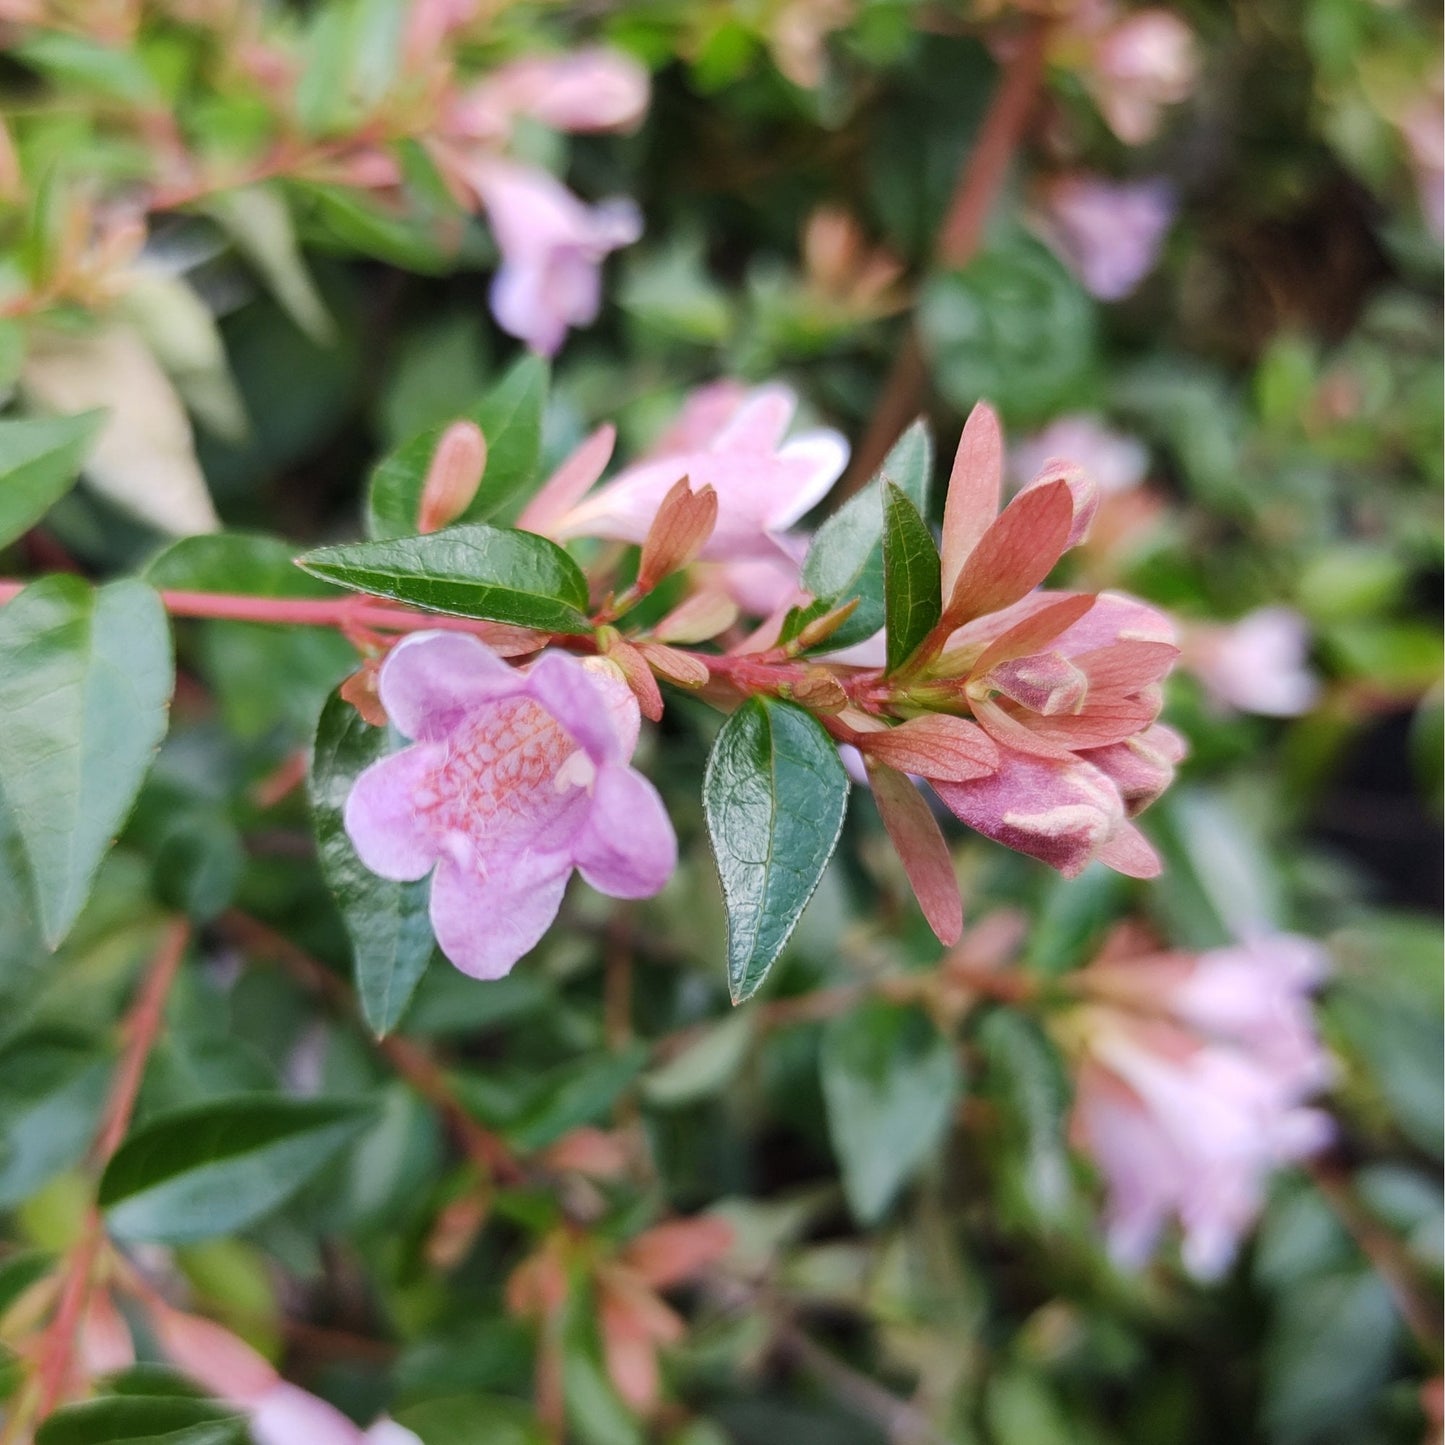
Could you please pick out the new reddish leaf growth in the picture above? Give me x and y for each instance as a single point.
(684, 522)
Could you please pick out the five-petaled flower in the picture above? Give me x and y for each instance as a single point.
(1194, 1076)
(514, 778)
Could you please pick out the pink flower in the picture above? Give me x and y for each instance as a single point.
(1192, 1089)
(278, 1412)
(552, 247)
(1137, 66)
(1108, 233)
(596, 89)
(514, 779)
(1064, 686)
(1258, 664)
(731, 439)
(1118, 463)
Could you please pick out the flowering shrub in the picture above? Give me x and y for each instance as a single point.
(451, 447)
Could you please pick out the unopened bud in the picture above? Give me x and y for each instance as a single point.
(638, 676)
(683, 523)
(819, 691)
(361, 692)
(679, 667)
(822, 628)
(453, 477)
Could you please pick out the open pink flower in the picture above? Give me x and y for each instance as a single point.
(514, 779)
(1137, 64)
(1118, 463)
(1108, 233)
(1193, 1087)
(552, 245)
(1258, 664)
(731, 439)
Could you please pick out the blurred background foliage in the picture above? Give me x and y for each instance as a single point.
(1281, 367)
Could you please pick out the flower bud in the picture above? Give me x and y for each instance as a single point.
(684, 522)
(453, 477)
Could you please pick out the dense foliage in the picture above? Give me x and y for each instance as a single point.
(602, 368)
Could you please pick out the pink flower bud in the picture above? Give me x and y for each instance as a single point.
(453, 477)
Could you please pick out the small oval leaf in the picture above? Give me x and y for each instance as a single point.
(775, 794)
(389, 924)
(468, 571)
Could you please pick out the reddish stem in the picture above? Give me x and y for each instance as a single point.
(979, 183)
(142, 1026)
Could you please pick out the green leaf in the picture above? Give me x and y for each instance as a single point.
(468, 571)
(846, 558)
(143, 1420)
(258, 220)
(214, 1168)
(1329, 1352)
(912, 583)
(52, 1086)
(85, 684)
(572, 1095)
(40, 458)
(21, 1270)
(1013, 326)
(261, 673)
(510, 416)
(775, 793)
(391, 937)
(467, 1419)
(891, 1082)
(704, 1067)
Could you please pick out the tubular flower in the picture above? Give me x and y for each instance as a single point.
(1192, 1088)
(514, 779)
(731, 439)
(552, 244)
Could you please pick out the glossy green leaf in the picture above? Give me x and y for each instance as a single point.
(85, 684)
(389, 926)
(891, 1083)
(846, 558)
(214, 1168)
(469, 571)
(912, 583)
(775, 793)
(510, 416)
(40, 458)
(143, 1420)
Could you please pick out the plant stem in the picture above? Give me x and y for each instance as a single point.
(142, 1027)
(977, 188)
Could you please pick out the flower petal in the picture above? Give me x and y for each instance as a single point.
(485, 923)
(1061, 813)
(430, 681)
(388, 831)
(578, 697)
(628, 848)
